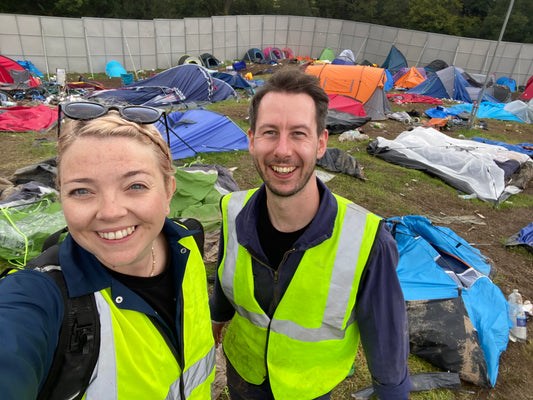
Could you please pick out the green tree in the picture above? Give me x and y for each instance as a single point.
(247, 7)
(355, 10)
(443, 16)
(392, 13)
(294, 7)
(28, 7)
(519, 27)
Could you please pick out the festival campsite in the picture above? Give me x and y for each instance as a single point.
(452, 197)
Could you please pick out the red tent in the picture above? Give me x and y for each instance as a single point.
(22, 119)
(7, 64)
(346, 104)
(528, 92)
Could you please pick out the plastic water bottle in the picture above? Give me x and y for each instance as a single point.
(516, 312)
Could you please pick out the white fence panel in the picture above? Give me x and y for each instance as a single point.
(88, 44)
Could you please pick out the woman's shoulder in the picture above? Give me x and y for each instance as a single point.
(30, 285)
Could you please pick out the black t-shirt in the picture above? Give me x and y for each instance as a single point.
(273, 242)
(158, 291)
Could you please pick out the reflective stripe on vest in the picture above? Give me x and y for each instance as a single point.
(343, 271)
(135, 361)
(311, 342)
(103, 383)
(194, 376)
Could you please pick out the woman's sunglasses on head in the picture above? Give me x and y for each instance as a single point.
(86, 110)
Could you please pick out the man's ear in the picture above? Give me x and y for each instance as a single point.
(250, 141)
(322, 144)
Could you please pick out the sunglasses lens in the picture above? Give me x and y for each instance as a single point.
(84, 110)
(141, 115)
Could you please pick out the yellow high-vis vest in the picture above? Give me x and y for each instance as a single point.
(135, 362)
(309, 345)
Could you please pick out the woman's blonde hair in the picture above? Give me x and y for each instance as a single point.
(113, 125)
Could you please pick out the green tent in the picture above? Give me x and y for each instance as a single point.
(327, 54)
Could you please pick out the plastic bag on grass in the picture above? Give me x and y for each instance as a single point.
(24, 229)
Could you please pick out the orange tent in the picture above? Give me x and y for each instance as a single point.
(357, 81)
(410, 79)
(361, 82)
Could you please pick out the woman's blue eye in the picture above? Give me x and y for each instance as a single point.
(137, 186)
(79, 192)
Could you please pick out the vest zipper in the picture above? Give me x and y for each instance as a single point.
(276, 276)
(276, 302)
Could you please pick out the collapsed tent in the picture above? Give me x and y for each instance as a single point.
(233, 78)
(199, 188)
(182, 84)
(12, 73)
(449, 83)
(522, 110)
(362, 83)
(485, 109)
(30, 67)
(337, 160)
(201, 131)
(458, 318)
(28, 217)
(395, 60)
(472, 167)
(21, 119)
(32, 213)
(254, 55)
(524, 238)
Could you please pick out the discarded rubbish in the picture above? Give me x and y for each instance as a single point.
(377, 125)
(468, 196)
(516, 313)
(353, 135)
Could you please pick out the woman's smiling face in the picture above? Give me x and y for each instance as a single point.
(114, 199)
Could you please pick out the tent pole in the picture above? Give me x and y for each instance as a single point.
(163, 50)
(131, 58)
(43, 42)
(360, 47)
(88, 50)
(475, 108)
(422, 52)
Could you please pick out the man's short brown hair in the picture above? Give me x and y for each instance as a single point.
(293, 82)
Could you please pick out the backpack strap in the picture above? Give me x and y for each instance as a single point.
(196, 229)
(79, 338)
